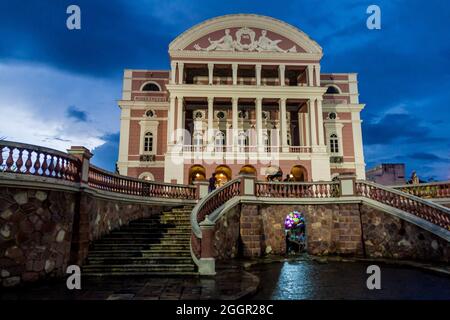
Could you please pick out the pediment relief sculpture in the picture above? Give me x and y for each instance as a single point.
(245, 40)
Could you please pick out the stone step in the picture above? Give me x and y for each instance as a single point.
(147, 235)
(95, 260)
(141, 274)
(140, 253)
(137, 227)
(143, 241)
(134, 246)
(138, 268)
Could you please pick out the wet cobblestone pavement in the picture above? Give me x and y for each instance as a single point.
(228, 285)
(306, 279)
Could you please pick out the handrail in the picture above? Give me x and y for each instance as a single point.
(108, 181)
(439, 189)
(208, 204)
(39, 161)
(424, 209)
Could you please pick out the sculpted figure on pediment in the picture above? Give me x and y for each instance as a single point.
(245, 41)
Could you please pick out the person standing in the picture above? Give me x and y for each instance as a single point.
(212, 183)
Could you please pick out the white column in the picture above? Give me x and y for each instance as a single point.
(173, 72)
(281, 70)
(320, 121)
(358, 145)
(210, 118)
(258, 74)
(307, 139)
(210, 73)
(283, 125)
(310, 75)
(317, 69)
(180, 72)
(312, 122)
(259, 140)
(124, 140)
(235, 131)
(301, 136)
(171, 120)
(180, 119)
(234, 66)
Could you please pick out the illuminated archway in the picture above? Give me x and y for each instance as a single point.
(299, 173)
(248, 169)
(197, 173)
(223, 174)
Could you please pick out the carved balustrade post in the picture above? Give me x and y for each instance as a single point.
(347, 185)
(207, 263)
(84, 155)
(202, 189)
(248, 185)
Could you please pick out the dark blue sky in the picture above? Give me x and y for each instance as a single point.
(59, 87)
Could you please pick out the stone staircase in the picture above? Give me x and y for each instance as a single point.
(158, 245)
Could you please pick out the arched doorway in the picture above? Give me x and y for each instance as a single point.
(299, 173)
(295, 232)
(223, 174)
(248, 169)
(197, 173)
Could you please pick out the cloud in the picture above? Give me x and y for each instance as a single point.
(74, 113)
(105, 155)
(31, 112)
(426, 156)
(394, 127)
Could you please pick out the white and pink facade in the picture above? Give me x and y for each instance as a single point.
(245, 93)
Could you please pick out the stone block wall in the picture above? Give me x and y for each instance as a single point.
(44, 231)
(251, 231)
(35, 234)
(330, 228)
(226, 235)
(386, 236)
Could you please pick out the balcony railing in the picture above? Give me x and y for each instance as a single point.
(243, 149)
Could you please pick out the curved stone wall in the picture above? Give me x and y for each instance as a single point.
(346, 229)
(45, 229)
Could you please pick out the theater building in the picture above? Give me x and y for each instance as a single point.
(244, 93)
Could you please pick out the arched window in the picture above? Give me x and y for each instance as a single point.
(198, 139)
(334, 143)
(242, 141)
(332, 90)
(148, 142)
(151, 86)
(147, 176)
(220, 140)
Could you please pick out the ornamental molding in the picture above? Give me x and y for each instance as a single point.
(247, 23)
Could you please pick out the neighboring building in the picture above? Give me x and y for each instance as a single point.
(388, 174)
(250, 95)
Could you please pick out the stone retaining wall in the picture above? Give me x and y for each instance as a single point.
(331, 229)
(386, 236)
(35, 234)
(44, 231)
